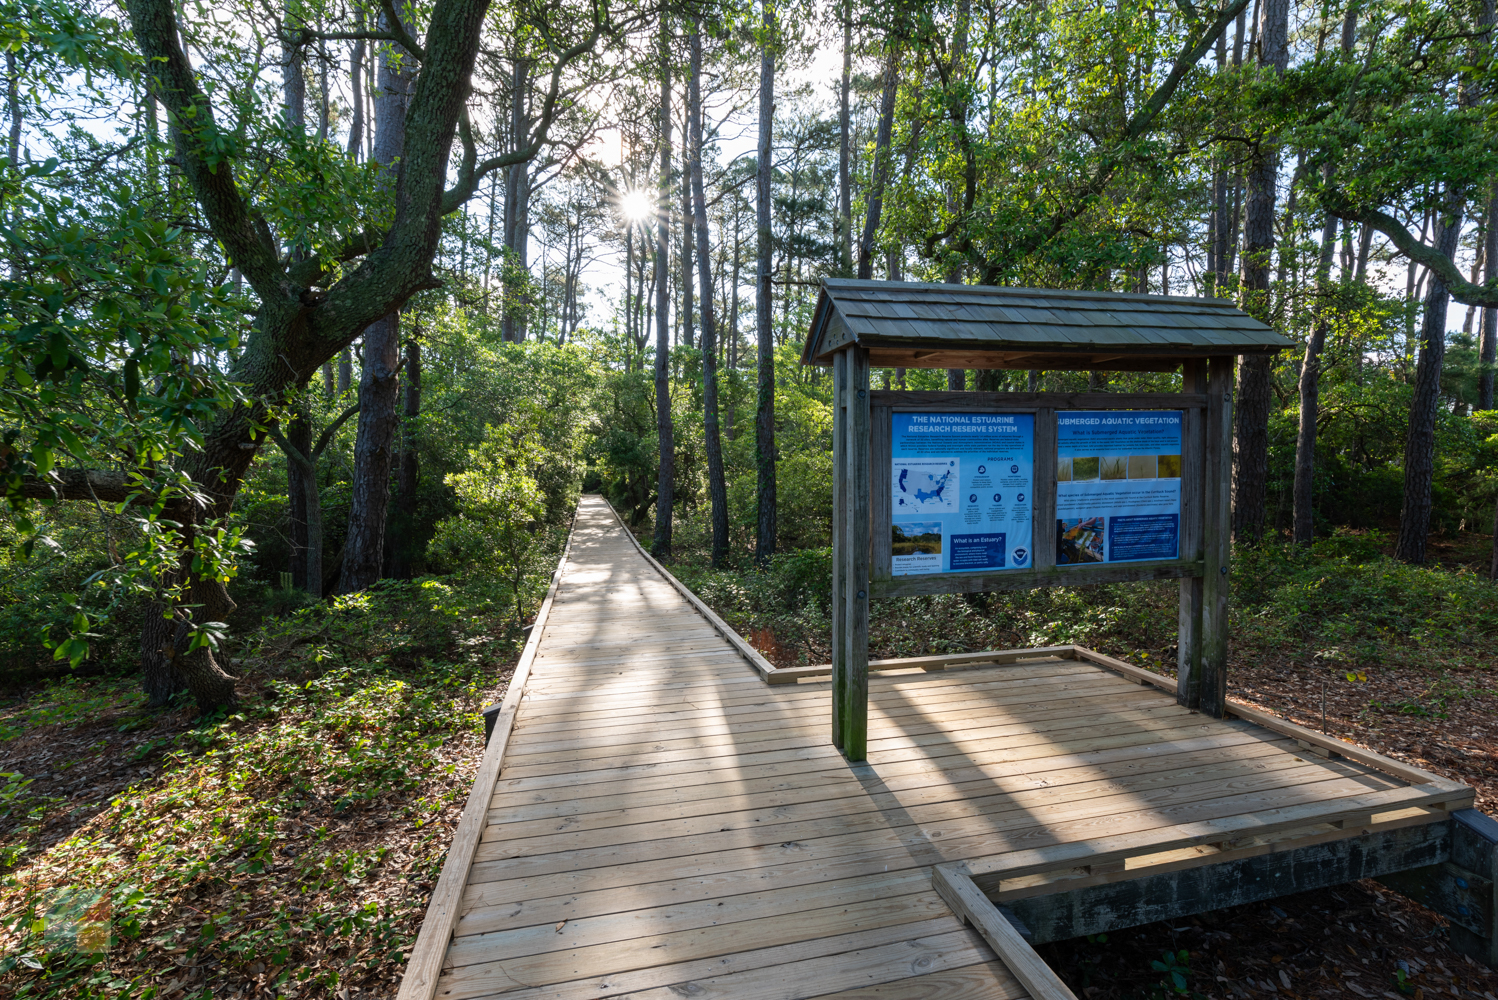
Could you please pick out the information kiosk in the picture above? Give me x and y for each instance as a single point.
(959, 492)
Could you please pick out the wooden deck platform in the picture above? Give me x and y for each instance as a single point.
(665, 824)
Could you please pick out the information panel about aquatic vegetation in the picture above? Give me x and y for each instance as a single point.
(962, 487)
(1118, 486)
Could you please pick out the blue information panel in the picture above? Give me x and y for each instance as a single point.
(1118, 485)
(961, 492)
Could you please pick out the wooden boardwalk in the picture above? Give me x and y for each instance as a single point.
(665, 824)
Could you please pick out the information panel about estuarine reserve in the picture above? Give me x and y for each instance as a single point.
(1118, 485)
(961, 492)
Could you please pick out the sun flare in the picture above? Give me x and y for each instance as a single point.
(637, 205)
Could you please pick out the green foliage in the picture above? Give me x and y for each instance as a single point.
(1177, 968)
(500, 511)
(1348, 604)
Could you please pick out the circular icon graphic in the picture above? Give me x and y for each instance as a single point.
(1014, 468)
(1019, 555)
(998, 498)
(982, 470)
(972, 498)
(1020, 498)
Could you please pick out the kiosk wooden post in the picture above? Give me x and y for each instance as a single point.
(899, 324)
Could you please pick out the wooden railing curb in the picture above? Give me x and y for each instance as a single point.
(972, 907)
(763, 666)
(425, 964)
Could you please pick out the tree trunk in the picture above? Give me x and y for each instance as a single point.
(845, 147)
(880, 169)
(1420, 445)
(1488, 348)
(665, 489)
(688, 338)
(1253, 398)
(299, 433)
(356, 85)
(13, 110)
(364, 549)
(404, 539)
(717, 486)
(1303, 519)
(345, 370)
(764, 418)
(293, 83)
(312, 504)
(1310, 391)
(517, 202)
(956, 379)
(369, 502)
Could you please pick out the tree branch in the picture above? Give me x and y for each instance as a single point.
(84, 484)
(398, 29)
(203, 151)
(327, 435)
(1464, 291)
(473, 173)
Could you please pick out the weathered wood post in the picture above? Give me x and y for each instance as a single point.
(1217, 517)
(839, 541)
(856, 488)
(1193, 487)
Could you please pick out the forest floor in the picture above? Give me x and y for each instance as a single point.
(286, 850)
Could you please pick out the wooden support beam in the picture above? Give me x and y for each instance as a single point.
(1077, 575)
(881, 448)
(839, 542)
(1193, 462)
(1013, 950)
(1043, 535)
(990, 872)
(1111, 906)
(857, 486)
(924, 399)
(1212, 661)
(1462, 888)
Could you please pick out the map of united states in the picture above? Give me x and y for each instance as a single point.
(937, 486)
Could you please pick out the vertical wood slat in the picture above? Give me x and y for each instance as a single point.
(881, 449)
(1043, 533)
(839, 543)
(1216, 534)
(1193, 492)
(856, 563)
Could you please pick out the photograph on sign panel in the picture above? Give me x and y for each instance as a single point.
(1079, 540)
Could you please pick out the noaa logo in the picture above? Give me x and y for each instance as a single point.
(1019, 555)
